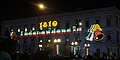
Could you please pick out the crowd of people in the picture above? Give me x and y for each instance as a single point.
(7, 48)
(8, 52)
(102, 56)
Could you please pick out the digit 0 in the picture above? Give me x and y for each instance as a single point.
(54, 23)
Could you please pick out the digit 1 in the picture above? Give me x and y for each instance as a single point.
(49, 24)
(40, 25)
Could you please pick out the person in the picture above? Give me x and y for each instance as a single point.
(7, 49)
(104, 56)
(114, 56)
(97, 55)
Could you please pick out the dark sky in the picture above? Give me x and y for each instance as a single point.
(17, 9)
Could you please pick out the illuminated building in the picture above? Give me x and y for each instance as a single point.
(69, 27)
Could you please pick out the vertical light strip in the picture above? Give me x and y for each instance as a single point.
(71, 49)
(86, 51)
(74, 50)
(57, 49)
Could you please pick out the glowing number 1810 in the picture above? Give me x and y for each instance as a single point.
(48, 24)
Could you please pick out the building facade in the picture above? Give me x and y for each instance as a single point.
(66, 29)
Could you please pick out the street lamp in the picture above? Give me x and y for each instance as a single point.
(57, 41)
(87, 49)
(80, 23)
(41, 6)
(73, 49)
(74, 43)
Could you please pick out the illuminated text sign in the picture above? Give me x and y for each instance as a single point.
(53, 31)
(48, 24)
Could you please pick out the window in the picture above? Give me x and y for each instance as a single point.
(117, 21)
(33, 27)
(117, 36)
(108, 20)
(67, 39)
(67, 25)
(77, 22)
(97, 18)
(86, 24)
(25, 28)
(18, 28)
(11, 28)
(109, 37)
(32, 41)
(98, 21)
(6, 33)
(25, 43)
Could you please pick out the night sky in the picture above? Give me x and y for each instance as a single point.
(17, 9)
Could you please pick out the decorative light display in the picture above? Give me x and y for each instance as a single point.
(34, 32)
(48, 24)
(33, 28)
(74, 47)
(18, 30)
(95, 33)
(13, 35)
(57, 41)
(58, 49)
(52, 31)
(90, 35)
(54, 23)
(87, 50)
(49, 40)
(25, 29)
